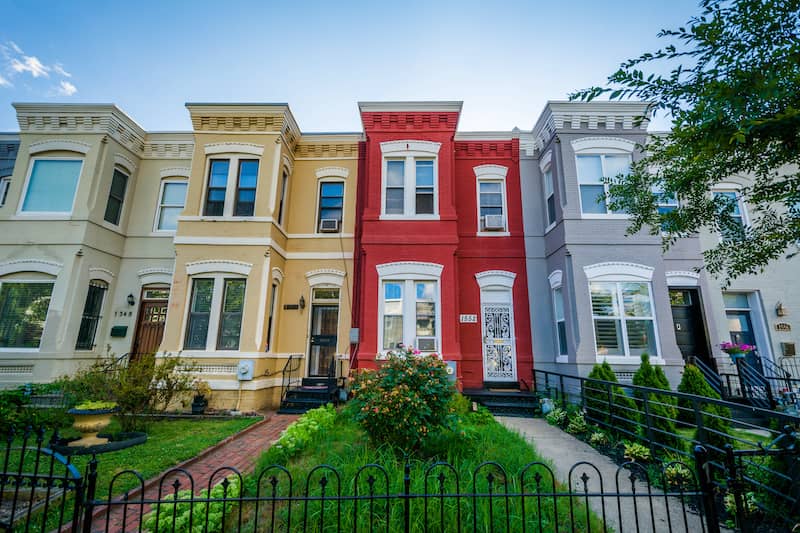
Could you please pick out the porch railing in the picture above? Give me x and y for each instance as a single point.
(291, 376)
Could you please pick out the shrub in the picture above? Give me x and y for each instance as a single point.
(577, 424)
(557, 417)
(598, 439)
(678, 475)
(403, 401)
(714, 416)
(636, 452)
(622, 414)
(661, 406)
(174, 517)
(303, 431)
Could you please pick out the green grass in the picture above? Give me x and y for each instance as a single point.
(346, 448)
(169, 442)
(742, 438)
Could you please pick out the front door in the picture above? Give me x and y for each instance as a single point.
(322, 345)
(687, 320)
(499, 359)
(152, 317)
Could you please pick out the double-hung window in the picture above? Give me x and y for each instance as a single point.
(23, 311)
(595, 173)
(214, 320)
(284, 194)
(623, 317)
(561, 323)
(91, 315)
(731, 209)
(171, 203)
(549, 196)
(410, 179)
(492, 205)
(231, 187)
(116, 197)
(51, 186)
(5, 184)
(331, 206)
(410, 314)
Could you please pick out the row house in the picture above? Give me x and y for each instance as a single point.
(246, 246)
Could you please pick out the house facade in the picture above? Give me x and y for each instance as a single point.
(245, 244)
(440, 256)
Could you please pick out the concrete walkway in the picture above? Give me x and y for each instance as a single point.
(564, 451)
(239, 451)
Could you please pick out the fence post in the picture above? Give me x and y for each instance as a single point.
(91, 488)
(406, 494)
(700, 435)
(649, 422)
(707, 489)
(736, 487)
(583, 395)
(611, 418)
(561, 383)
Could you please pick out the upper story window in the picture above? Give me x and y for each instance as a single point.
(116, 197)
(410, 181)
(51, 186)
(172, 199)
(549, 196)
(492, 208)
(284, 193)
(5, 184)
(331, 207)
(232, 187)
(730, 202)
(598, 161)
(23, 311)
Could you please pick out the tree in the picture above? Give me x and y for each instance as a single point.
(733, 94)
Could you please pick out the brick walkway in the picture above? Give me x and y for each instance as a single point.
(239, 451)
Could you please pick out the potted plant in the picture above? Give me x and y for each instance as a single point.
(736, 351)
(202, 392)
(91, 418)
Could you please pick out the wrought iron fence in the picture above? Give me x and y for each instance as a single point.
(419, 497)
(754, 457)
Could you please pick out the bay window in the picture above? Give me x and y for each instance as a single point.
(231, 189)
(23, 311)
(116, 197)
(171, 203)
(623, 318)
(595, 172)
(214, 319)
(51, 186)
(550, 197)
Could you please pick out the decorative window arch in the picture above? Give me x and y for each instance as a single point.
(618, 271)
(218, 265)
(234, 148)
(495, 278)
(58, 145)
(102, 274)
(325, 276)
(682, 278)
(30, 265)
(155, 276)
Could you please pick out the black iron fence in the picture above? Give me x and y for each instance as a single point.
(753, 455)
(421, 497)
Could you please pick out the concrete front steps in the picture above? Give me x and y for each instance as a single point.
(506, 399)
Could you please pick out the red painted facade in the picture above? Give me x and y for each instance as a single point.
(450, 241)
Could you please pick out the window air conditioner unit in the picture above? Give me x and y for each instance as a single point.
(426, 344)
(329, 225)
(493, 222)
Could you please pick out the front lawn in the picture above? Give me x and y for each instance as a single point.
(477, 439)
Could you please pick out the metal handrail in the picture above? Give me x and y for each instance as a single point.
(755, 387)
(291, 366)
(714, 380)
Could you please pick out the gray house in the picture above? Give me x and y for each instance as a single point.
(597, 294)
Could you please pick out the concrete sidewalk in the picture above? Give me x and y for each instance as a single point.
(565, 451)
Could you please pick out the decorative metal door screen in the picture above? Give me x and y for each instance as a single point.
(499, 361)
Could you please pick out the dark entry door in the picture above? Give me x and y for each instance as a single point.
(150, 329)
(322, 346)
(687, 321)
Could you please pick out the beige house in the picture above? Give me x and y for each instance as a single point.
(231, 245)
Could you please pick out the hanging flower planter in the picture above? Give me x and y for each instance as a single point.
(736, 351)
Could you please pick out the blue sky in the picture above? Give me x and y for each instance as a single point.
(503, 59)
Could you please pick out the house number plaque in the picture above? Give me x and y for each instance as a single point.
(783, 326)
(468, 319)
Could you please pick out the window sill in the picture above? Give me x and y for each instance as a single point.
(42, 216)
(493, 234)
(15, 350)
(549, 228)
(627, 360)
(409, 217)
(600, 216)
(223, 218)
(562, 359)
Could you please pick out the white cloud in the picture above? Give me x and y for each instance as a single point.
(58, 69)
(16, 48)
(4, 82)
(65, 88)
(30, 64)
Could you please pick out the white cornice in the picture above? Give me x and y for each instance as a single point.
(152, 276)
(327, 172)
(682, 278)
(495, 278)
(218, 265)
(422, 106)
(409, 269)
(235, 148)
(618, 271)
(603, 143)
(495, 171)
(100, 273)
(183, 172)
(325, 276)
(30, 265)
(407, 146)
(67, 145)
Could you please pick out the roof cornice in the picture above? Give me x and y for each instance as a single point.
(426, 106)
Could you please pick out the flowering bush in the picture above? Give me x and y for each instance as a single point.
(402, 350)
(733, 349)
(404, 400)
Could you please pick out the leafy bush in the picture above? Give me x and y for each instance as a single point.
(15, 411)
(714, 416)
(637, 452)
(403, 401)
(174, 517)
(95, 406)
(557, 417)
(678, 475)
(303, 431)
(622, 414)
(577, 424)
(598, 438)
(661, 406)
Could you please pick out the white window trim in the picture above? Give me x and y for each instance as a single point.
(44, 327)
(491, 174)
(549, 168)
(160, 205)
(325, 277)
(618, 271)
(601, 146)
(153, 276)
(48, 214)
(320, 181)
(217, 296)
(223, 266)
(556, 279)
(410, 151)
(682, 278)
(409, 272)
(5, 186)
(737, 190)
(231, 185)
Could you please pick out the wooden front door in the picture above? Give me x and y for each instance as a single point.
(150, 328)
